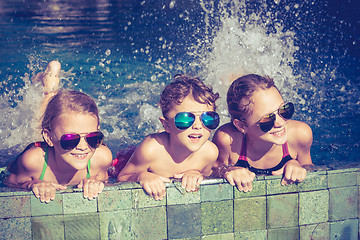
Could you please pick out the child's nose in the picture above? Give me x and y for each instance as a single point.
(82, 144)
(279, 121)
(197, 124)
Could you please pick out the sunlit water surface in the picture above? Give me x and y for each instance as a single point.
(123, 53)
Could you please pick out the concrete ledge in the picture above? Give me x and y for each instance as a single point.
(324, 206)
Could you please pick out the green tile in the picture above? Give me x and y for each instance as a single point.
(348, 229)
(217, 217)
(6, 192)
(48, 227)
(343, 179)
(177, 195)
(184, 221)
(114, 200)
(116, 225)
(320, 231)
(16, 206)
(224, 236)
(259, 189)
(282, 211)
(284, 234)
(149, 223)
(273, 186)
(251, 235)
(76, 203)
(54, 207)
(141, 199)
(216, 192)
(82, 226)
(249, 214)
(313, 207)
(15, 228)
(314, 181)
(343, 203)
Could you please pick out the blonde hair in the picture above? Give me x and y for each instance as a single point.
(65, 101)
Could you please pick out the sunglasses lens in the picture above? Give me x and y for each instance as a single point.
(69, 141)
(211, 120)
(287, 110)
(184, 120)
(94, 139)
(267, 123)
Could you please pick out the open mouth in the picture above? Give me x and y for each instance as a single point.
(195, 136)
(79, 156)
(279, 133)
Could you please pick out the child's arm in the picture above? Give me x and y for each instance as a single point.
(239, 176)
(137, 170)
(100, 163)
(293, 169)
(28, 169)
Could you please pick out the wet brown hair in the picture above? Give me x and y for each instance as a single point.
(65, 101)
(181, 87)
(240, 93)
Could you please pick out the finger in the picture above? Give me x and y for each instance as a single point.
(278, 172)
(85, 187)
(101, 187)
(61, 187)
(36, 192)
(165, 179)
(230, 180)
(180, 175)
(52, 193)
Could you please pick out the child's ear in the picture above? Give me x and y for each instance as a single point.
(165, 124)
(47, 137)
(239, 125)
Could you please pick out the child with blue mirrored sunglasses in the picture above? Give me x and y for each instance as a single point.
(182, 151)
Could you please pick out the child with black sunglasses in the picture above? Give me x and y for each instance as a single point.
(261, 138)
(183, 150)
(72, 152)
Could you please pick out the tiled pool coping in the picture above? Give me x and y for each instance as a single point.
(324, 206)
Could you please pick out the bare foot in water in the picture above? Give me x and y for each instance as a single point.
(50, 81)
(50, 78)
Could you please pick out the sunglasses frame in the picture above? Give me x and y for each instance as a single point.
(99, 136)
(213, 114)
(272, 116)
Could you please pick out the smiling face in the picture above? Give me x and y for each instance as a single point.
(265, 102)
(73, 122)
(193, 137)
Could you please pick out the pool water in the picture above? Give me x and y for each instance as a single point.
(123, 53)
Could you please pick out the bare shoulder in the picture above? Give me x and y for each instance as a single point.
(102, 157)
(300, 133)
(32, 159)
(210, 150)
(152, 146)
(28, 166)
(224, 134)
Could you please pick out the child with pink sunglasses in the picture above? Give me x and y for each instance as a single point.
(261, 138)
(72, 152)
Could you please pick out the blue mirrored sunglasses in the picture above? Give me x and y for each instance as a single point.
(184, 120)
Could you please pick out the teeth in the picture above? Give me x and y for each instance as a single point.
(279, 133)
(195, 136)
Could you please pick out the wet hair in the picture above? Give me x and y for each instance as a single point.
(239, 95)
(66, 101)
(183, 86)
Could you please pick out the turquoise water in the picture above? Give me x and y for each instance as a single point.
(122, 53)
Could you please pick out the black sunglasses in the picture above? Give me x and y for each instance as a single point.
(267, 122)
